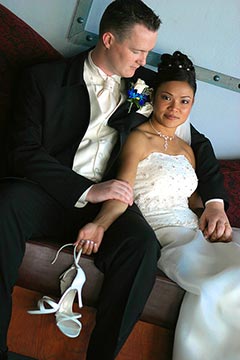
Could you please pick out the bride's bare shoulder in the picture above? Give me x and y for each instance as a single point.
(143, 131)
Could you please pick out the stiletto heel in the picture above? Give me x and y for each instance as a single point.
(66, 320)
(73, 277)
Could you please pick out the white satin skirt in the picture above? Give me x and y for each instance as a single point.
(208, 326)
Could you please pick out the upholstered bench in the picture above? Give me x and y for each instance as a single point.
(37, 273)
(163, 305)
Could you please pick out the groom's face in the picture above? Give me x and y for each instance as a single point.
(125, 56)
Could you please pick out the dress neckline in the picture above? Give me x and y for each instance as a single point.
(166, 155)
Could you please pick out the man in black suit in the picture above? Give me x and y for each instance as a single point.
(71, 119)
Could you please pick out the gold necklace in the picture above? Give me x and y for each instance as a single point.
(166, 138)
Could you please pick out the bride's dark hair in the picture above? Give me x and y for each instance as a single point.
(176, 67)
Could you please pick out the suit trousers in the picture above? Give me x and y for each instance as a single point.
(127, 256)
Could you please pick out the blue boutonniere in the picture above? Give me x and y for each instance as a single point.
(138, 94)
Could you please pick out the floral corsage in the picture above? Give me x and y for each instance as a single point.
(138, 94)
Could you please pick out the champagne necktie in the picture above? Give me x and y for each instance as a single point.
(108, 96)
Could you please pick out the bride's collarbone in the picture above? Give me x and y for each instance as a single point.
(172, 148)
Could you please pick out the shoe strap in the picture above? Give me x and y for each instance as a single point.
(76, 255)
(50, 302)
(61, 316)
(42, 309)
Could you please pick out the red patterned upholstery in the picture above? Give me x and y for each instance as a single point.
(20, 46)
(231, 172)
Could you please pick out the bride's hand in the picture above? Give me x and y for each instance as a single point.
(214, 223)
(89, 238)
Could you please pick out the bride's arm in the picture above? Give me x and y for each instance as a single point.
(90, 236)
(195, 204)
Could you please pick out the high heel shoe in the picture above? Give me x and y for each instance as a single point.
(66, 320)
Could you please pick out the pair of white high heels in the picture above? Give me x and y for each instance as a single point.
(66, 320)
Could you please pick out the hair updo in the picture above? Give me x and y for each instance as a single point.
(176, 67)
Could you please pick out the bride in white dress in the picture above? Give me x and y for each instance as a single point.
(209, 321)
(160, 167)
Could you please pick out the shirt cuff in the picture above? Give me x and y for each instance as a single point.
(82, 200)
(212, 200)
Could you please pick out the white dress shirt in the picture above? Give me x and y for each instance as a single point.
(95, 148)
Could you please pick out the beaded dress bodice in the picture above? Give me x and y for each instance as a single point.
(162, 187)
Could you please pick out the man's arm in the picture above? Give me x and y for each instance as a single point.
(210, 179)
(213, 222)
(39, 141)
(50, 120)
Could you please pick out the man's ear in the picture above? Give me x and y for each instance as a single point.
(107, 39)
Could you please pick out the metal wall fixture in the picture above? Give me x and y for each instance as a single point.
(78, 35)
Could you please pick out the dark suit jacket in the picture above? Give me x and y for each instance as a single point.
(51, 117)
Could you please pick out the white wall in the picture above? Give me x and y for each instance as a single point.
(208, 31)
(50, 18)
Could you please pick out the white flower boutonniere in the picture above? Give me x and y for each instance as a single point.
(138, 94)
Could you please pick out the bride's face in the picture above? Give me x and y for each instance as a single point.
(172, 103)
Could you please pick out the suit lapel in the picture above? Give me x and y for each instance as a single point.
(122, 120)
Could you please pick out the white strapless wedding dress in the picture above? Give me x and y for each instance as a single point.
(208, 327)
